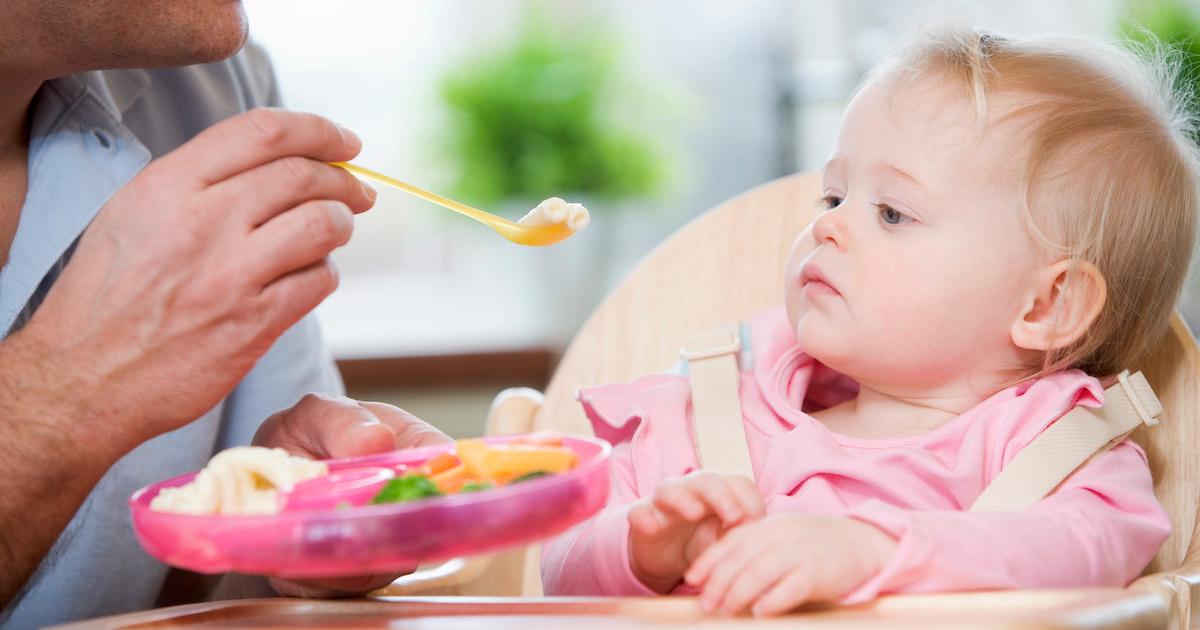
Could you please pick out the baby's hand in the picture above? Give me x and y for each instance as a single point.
(775, 564)
(686, 514)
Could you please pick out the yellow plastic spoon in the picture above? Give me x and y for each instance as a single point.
(519, 233)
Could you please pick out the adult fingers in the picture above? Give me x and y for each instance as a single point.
(285, 300)
(324, 426)
(257, 137)
(257, 195)
(410, 431)
(334, 587)
(298, 238)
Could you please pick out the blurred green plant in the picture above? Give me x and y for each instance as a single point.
(539, 118)
(1176, 24)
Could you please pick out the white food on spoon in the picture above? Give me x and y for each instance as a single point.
(239, 481)
(554, 211)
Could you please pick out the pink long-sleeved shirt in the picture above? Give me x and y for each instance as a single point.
(1100, 528)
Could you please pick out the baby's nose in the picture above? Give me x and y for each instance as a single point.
(829, 227)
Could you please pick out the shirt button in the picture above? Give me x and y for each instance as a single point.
(103, 138)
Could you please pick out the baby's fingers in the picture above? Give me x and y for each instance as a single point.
(724, 501)
(766, 568)
(698, 573)
(790, 591)
(717, 554)
(680, 498)
(747, 496)
(645, 519)
(737, 578)
(732, 498)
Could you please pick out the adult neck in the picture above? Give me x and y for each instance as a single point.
(16, 94)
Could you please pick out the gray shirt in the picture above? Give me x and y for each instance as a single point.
(90, 134)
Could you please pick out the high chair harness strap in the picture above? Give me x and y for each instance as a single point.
(1035, 472)
(1079, 435)
(717, 423)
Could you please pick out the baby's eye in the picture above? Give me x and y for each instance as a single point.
(831, 201)
(891, 216)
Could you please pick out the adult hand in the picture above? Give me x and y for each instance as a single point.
(324, 426)
(191, 271)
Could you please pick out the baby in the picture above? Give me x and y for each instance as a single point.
(1007, 223)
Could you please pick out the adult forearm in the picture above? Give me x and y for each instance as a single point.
(51, 455)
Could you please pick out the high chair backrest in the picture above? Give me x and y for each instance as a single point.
(728, 264)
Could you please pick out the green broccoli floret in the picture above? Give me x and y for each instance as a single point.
(407, 488)
(476, 486)
(530, 475)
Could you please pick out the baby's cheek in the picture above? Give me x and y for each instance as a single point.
(931, 333)
(899, 316)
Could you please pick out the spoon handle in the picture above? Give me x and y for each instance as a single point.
(444, 202)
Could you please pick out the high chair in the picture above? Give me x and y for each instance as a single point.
(728, 265)
(723, 267)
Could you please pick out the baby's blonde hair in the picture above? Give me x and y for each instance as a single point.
(1111, 172)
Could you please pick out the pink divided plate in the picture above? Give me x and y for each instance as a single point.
(312, 537)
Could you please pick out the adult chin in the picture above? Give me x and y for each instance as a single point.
(112, 34)
(188, 33)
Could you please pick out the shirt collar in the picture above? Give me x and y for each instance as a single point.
(79, 155)
(116, 90)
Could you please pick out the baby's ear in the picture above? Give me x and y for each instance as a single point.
(1062, 305)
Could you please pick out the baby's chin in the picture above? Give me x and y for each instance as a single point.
(825, 346)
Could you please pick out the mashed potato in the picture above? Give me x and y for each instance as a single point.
(554, 210)
(240, 480)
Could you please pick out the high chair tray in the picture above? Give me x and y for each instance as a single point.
(1092, 609)
(369, 539)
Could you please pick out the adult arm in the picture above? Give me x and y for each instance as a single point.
(185, 278)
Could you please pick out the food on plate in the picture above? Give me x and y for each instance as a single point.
(240, 481)
(477, 465)
(252, 480)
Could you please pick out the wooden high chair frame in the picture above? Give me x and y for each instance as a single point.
(724, 267)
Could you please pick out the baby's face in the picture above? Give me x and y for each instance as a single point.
(917, 270)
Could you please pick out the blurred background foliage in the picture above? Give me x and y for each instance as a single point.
(540, 116)
(1175, 24)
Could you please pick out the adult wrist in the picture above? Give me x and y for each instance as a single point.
(49, 392)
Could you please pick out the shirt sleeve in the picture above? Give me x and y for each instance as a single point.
(1101, 528)
(299, 363)
(593, 557)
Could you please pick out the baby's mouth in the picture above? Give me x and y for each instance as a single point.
(813, 281)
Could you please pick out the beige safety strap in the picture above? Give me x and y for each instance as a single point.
(1083, 432)
(716, 409)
